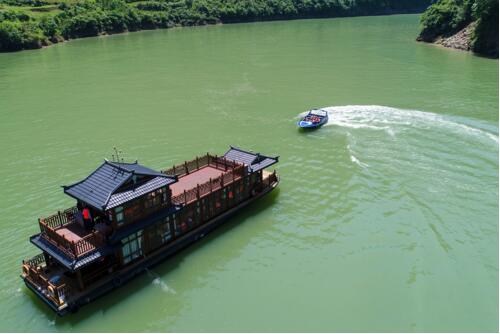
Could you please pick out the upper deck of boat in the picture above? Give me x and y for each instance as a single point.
(197, 177)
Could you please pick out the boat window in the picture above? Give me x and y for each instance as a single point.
(150, 200)
(167, 234)
(110, 215)
(318, 113)
(119, 215)
(132, 247)
(164, 192)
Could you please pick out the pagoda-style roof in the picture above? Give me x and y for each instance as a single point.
(254, 161)
(64, 259)
(115, 183)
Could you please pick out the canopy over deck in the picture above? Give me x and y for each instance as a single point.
(115, 183)
(253, 161)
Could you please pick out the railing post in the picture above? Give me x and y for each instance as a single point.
(210, 181)
(186, 167)
(185, 199)
(198, 191)
(197, 163)
(73, 249)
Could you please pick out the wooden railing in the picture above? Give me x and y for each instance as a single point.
(74, 249)
(206, 188)
(33, 271)
(222, 163)
(57, 240)
(60, 218)
(199, 162)
(87, 244)
(36, 261)
(268, 180)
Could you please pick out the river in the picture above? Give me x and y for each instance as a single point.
(386, 219)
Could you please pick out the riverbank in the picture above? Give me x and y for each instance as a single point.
(460, 41)
(31, 24)
(468, 25)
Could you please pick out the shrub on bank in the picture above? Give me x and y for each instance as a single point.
(446, 17)
(485, 38)
(50, 27)
(13, 15)
(442, 18)
(83, 25)
(18, 35)
(153, 6)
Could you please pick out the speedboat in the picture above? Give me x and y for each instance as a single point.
(314, 119)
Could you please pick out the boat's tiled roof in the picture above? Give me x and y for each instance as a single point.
(101, 188)
(240, 156)
(266, 162)
(254, 161)
(125, 196)
(64, 259)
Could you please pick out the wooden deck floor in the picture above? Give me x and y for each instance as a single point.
(190, 181)
(72, 232)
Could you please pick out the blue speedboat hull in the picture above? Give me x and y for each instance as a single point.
(306, 123)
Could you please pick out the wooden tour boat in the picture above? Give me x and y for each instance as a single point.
(129, 217)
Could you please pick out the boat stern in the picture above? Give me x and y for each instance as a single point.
(36, 279)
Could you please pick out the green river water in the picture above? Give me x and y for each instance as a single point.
(386, 219)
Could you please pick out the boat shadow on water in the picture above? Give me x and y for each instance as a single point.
(107, 301)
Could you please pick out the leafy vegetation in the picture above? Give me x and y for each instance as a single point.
(485, 38)
(26, 24)
(446, 17)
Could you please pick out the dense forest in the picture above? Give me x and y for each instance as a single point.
(447, 17)
(28, 24)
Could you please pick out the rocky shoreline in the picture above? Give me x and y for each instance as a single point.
(460, 40)
(464, 25)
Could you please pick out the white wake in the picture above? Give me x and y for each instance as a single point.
(394, 120)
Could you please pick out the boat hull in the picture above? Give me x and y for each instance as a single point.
(309, 125)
